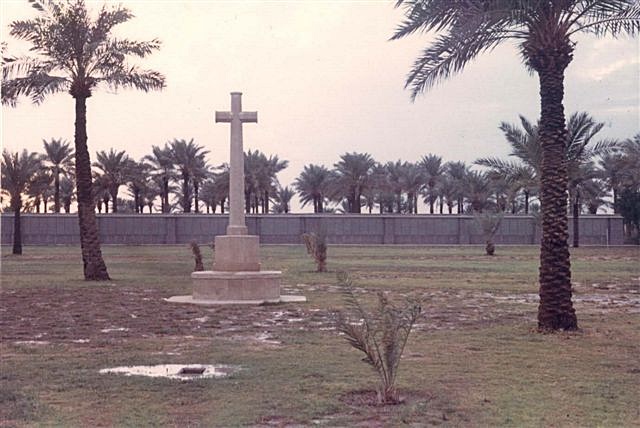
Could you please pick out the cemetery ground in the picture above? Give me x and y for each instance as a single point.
(474, 359)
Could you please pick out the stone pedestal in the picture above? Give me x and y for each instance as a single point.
(240, 287)
(237, 253)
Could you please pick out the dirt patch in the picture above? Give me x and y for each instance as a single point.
(97, 316)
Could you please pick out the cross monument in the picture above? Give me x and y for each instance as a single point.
(236, 117)
(236, 277)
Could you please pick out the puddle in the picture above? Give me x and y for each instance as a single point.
(176, 371)
(113, 329)
(31, 342)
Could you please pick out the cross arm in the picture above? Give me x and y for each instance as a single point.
(224, 116)
(249, 116)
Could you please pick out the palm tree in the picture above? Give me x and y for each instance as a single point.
(395, 171)
(353, 172)
(270, 184)
(412, 180)
(544, 30)
(161, 161)
(40, 188)
(312, 184)
(433, 170)
(75, 53)
(58, 159)
(67, 193)
(188, 158)
(283, 198)
(18, 171)
(138, 184)
(457, 173)
(115, 168)
(611, 170)
(478, 188)
(221, 180)
(526, 146)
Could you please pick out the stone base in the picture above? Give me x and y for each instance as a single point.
(236, 286)
(237, 253)
(189, 299)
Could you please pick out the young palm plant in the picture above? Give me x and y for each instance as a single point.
(74, 53)
(544, 30)
(316, 245)
(380, 334)
(488, 222)
(18, 172)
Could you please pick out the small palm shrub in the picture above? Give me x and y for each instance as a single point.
(380, 334)
(316, 243)
(488, 223)
(195, 248)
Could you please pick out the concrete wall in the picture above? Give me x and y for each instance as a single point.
(52, 229)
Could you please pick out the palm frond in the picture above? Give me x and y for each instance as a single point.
(613, 17)
(132, 77)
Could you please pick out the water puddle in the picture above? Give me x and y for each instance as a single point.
(176, 371)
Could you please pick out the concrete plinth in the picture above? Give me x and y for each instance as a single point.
(237, 253)
(236, 286)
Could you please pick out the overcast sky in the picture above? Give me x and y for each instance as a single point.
(324, 79)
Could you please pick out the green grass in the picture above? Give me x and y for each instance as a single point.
(475, 360)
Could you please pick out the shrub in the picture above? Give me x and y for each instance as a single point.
(195, 248)
(316, 243)
(380, 334)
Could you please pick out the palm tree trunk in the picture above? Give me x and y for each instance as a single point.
(556, 308)
(576, 215)
(114, 200)
(94, 266)
(615, 201)
(526, 202)
(186, 195)
(16, 203)
(165, 196)
(56, 194)
(195, 195)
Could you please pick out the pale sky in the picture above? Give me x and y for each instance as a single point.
(324, 79)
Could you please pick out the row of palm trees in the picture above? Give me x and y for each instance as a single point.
(181, 179)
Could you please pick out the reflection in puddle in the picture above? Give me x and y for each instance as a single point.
(176, 371)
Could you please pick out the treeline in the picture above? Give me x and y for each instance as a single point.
(177, 177)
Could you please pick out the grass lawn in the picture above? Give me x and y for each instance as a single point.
(474, 359)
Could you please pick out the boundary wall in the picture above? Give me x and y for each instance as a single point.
(420, 229)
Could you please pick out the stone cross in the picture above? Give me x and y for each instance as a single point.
(236, 117)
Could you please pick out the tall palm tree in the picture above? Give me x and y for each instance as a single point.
(188, 158)
(544, 30)
(282, 199)
(413, 178)
(395, 171)
(75, 53)
(611, 170)
(353, 172)
(433, 170)
(40, 188)
(58, 158)
(161, 161)
(138, 183)
(270, 183)
(478, 190)
(526, 145)
(18, 172)
(457, 173)
(115, 169)
(67, 193)
(312, 185)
